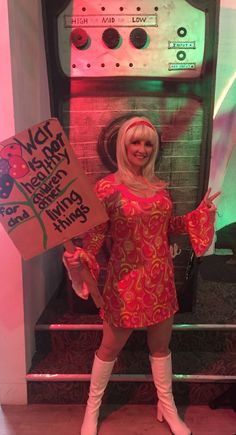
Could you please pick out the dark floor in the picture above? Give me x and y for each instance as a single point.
(123, 420)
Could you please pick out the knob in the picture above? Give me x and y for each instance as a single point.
(138, 37)
(79, 38)
(111, 37)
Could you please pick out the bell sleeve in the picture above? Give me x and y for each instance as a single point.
(198, 224)
(86, 256)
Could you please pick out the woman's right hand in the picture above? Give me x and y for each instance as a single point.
(82, 280)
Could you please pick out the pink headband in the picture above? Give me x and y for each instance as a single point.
(141, 122)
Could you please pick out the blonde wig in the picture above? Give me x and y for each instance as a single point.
(138, 128)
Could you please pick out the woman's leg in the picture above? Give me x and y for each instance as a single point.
(158, 341)
(158, 337)
(113, 341)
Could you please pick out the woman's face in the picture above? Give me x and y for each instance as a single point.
(138, 153)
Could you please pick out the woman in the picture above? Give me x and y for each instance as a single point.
(139, 289)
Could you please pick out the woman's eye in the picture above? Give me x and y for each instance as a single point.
(136, 142)
(148, 144)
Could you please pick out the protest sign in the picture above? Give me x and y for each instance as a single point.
(45, 197)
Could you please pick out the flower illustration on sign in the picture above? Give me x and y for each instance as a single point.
(12, 167)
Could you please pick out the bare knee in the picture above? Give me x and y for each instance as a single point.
(113, 341)
(107, 352)
(158, 338)
(158, 346)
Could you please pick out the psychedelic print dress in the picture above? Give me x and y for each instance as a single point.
(139, 288)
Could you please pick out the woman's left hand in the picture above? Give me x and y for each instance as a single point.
(208, 200)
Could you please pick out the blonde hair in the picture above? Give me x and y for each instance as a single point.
(134, 129)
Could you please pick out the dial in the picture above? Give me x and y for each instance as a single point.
(79, 38)
(111, 37)
(138, 37)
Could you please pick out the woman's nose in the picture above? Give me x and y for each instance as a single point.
(142, 146)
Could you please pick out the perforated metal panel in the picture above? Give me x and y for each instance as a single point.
(131, 38)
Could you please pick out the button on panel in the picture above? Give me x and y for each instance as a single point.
(182, 32)
(181, 55)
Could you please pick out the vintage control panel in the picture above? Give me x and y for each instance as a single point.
(136, 38)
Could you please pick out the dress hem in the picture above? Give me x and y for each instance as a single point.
(103, 317)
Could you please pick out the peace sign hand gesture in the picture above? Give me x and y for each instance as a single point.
(208, 200)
